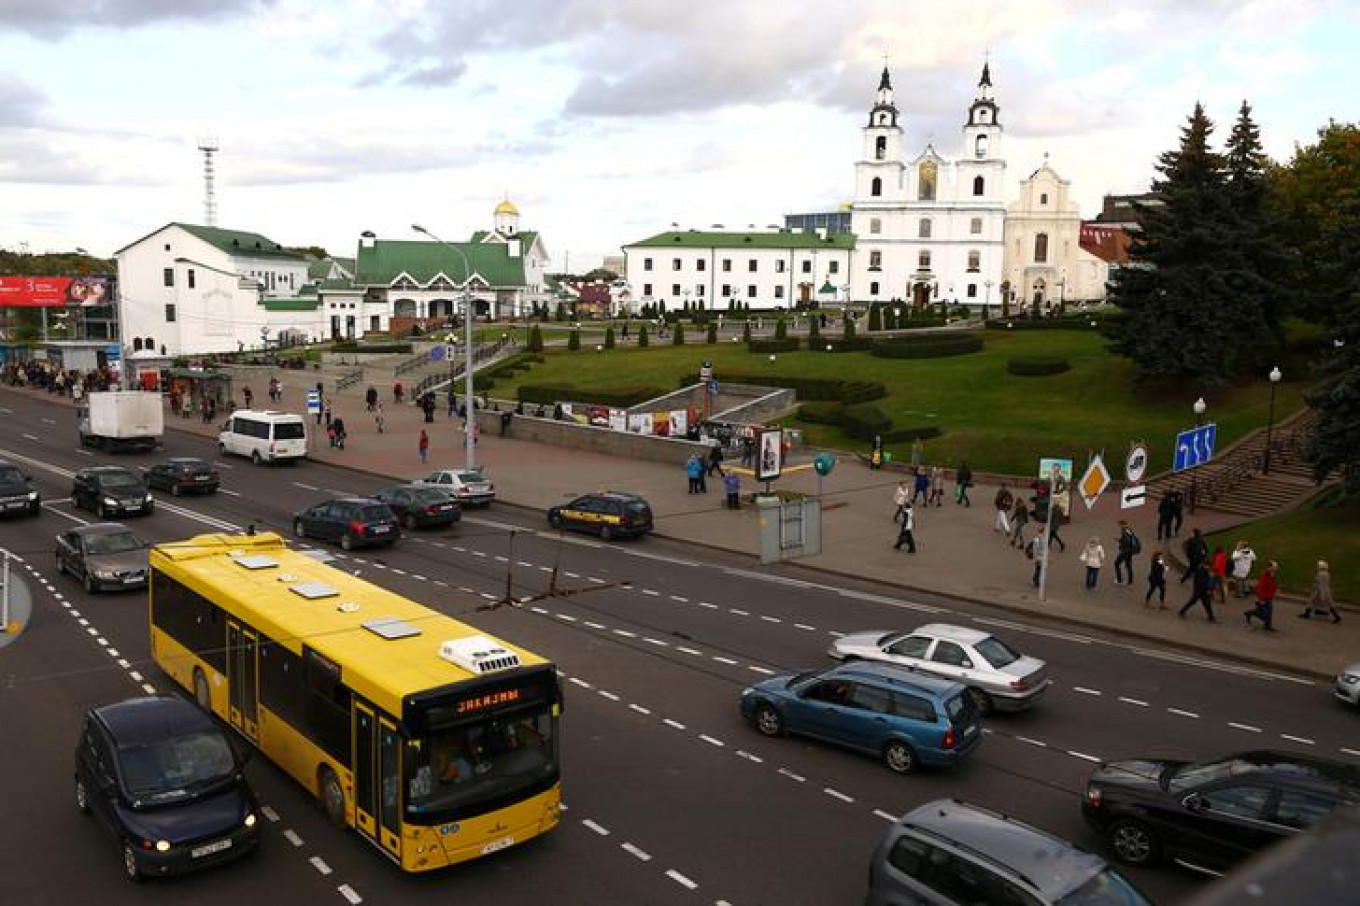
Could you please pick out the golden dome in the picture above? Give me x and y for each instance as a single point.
(507, 207)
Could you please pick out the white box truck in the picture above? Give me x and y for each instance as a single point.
(122, 420)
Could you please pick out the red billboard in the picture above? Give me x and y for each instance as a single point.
(30, 292)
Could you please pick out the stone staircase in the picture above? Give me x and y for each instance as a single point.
(1236, 482)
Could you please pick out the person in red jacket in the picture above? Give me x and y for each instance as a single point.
(1218, 565)
(1266, 589)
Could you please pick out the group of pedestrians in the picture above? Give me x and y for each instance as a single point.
(699, 468)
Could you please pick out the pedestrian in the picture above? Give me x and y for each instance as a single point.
(1054, 523)
(247, 396)
(424, 446)
(428, 405)
(338, 426)
(397, 391)
(748, 449)
(328, 418)
(922, 488)
(1093, 556)
(505, 422)
(1166, 514)
(901, 497)
(1243, 559)
(1129, 547)
(715, 458)
(1218, 565)
(936, 486)
(1156, 581)
(1320, 601)
(876, 453)
(1196, 552)
(1266, 590)
(963, 479)
(1034, 550)
(1203, 592)
(380, 419)
(694, 470)
(1019, 519)
(371, 398)
(275, 390)
(906, 531)
(732, 487)
(1003, 500)
(1177, 512)
(453, 403)
(917, 452)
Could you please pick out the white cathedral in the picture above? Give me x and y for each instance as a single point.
(931, 229)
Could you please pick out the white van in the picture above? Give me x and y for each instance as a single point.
(264, 436)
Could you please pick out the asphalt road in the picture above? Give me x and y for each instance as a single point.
(671, 797)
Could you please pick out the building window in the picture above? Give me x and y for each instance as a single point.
(149, 343)
(926, 175)
(834, 267)
(779, 266)
(807, 267)
(701, 265)
(726, 290)
(923, 260)
(875, 261)
(974, 261)
(923, 229)
(972, 290)
(876, 187)
(646, 264)
(646, 289)
(191, 278)
(751, 291)
(727, 265)
(170, 312)
(975, 226)
(1043, 198)
(979, 185)
(168, 275)
(751, 265)
(873, 289)
(675, 264)
(698, 289)
(137, 341)
(167, 246)
(875, 226)
(980, 146)
(1041, 248)
(675, 290)
(779, 292)
(880, 147)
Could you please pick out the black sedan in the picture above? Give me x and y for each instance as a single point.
(354, 522)
(420, 506)
(110, 491)
(1210, 816)
(17, 494)
(183, 475)
(104, 556)
(164, 780)
(609, 515)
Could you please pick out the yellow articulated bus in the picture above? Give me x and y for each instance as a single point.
(436, 743)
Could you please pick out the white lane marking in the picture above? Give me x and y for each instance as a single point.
(102, 641)
(596, 625)
(1355, 752)
(538, 610)
(771, 619)
(749, 757)
(724, 660)
(602, 831)
(148, 689)
(1180, 713)
(609, 695)
(83, 452)
(350, 894)
(483, 554)
(418, 577)
(1033, 742)
(792, 776)
(1218, 665)
(1299, 739)
(708, 604)
(82, 621)
(885, 816)
(651, 593)
(651, 641)
(561, 616)
(525, 563)
(1084, 691)
(679, 598)
(674, 724)
(1021, 627)
(269, 813)
(571, 575)
(681, 879)
(1083, 756)
(399, 571)
(223, 465)
(713, 742)
(320, 865)
(692, 651)
(29, 437)
(500, 559)
(1247, 727)
(49, 421)
(740, 613)
(305, 487)
(229, 492)
(761, 670)
(75, 519)
(632, 850)
(639, 709)
(805, 627)
(136, 677)
(837, 794)
(625, 633)
(596, 580)
(441, 583)
(291, 836)
(1133, 701)
(113, 653)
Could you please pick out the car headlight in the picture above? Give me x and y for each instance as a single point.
(250, 820)
(1350, 678)
(747, 691)
(148, 499)
(32, 495)
(162, 846)
(109, 501)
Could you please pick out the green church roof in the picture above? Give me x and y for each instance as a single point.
(691, 239)
(387, 259)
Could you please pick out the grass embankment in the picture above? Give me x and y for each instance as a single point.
(1300, 538)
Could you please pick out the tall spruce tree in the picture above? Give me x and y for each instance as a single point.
(1260, 234)
(1185, 318)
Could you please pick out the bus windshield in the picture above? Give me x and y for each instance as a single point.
(472, 762)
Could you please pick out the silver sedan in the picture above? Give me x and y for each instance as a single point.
(997, 676)
(1348, 685)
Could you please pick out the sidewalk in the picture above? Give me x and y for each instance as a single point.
(958, 554)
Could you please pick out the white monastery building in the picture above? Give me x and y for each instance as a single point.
(1045, 263)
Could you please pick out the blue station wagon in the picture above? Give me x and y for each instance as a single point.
(904, 718)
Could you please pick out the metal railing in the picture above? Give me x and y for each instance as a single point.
(346, 381)
(480, 353)
(411, 364)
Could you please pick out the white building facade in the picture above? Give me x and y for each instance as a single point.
(1044, 260)
(930, 229)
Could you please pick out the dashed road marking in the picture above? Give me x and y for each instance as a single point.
(1083, 756)
(805, 627)
(305, 487)
(1033, 742)
(651, 592)
(291, 836)
(1133, 701)
(320, 865)
(640, 854)
(1084, 691)
(674, 724)
(625, 633)
(884, 815)
(602, 831)
(837, 794)
(792, 776)
(1299, 739)
(681, 879)
(693, 651)
(1247, 727)
(350, 894)
(1181, 713)
(609, 695)
(724, 660)
(712, 741)
(639, 709)
(269, 813)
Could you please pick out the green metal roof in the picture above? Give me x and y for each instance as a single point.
(702, 239)
(387, 259)
(319, 269)
(240, 242)
(298, 303)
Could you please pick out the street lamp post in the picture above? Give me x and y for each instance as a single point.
(1198, 408)
(469, 436)
(1275, 375)
(1062, 293)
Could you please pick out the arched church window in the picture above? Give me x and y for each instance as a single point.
(876, 187)
(982, 116)
(1041, 248)
(979, 185)
(980, 146)
(926, 176)
(880, 147)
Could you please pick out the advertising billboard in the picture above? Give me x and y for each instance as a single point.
(770, 454)
(54, 292)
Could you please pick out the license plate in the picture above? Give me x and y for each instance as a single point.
(131, 580)
(379, 529)
(202, 478)
(209, 849)
(16, 505)
(497, 845)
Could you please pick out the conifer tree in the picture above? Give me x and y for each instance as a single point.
(678, 335)
(642, 337)
(781, 330)
(875, 317)
(712, 336)
(574, 340)
(609, 337)
(746, 331)
(535, 343)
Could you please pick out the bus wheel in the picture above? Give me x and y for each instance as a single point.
(201, 693)
(332, 798)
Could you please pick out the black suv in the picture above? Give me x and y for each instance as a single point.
(354, 522)
(610, 515)
(421, 506)
(111, 491)
(16, 492)
(1210, 816)
(166, 782)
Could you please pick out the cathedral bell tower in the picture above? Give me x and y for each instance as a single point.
(878, 176)
(982, 132)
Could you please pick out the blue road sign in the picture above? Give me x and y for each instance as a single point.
(713, 388)
(1194, 447)
(437, 354)
(313, 402)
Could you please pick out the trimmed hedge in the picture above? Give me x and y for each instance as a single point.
(904, 435)
(820, 413)
(862, 391)
(788, 344)
(372, 347)
(844, 344)
(1037, 367)
(1066, 322)
(807, 388)
(933, 346)
(864, 420)
(621, 397)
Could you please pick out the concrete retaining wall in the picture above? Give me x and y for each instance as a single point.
(587, 437)
(767, 404)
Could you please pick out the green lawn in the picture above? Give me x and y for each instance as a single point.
(989, 417)
(1300, 538)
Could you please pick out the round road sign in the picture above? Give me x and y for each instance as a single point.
(1136, 465)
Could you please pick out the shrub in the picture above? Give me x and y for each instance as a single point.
(820, 413)
(906, 435)
(932, 346)
(561, 312)
(535, 343)
(875, 318)
(483, 382)
(1030, 367)
(609, 337)
(846, 344)
(862, 391)
(350, 346)
(678, 335)
(1066, 322)
(814, 331)
(712, 335)
(864, 420)
(781, 329)
(642, 336)
(785, 344)
(606, 396)
(848, 328)
(807, 388)
(746, 332)
(574, 340)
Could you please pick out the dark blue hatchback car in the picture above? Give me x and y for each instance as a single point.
(894, 714)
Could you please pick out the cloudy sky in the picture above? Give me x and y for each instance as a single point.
(604, 120)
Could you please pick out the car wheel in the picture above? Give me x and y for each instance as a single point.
(130, 869)
(82, 798)
(408, 522)
(981, 700)
(768, 721)
(255, 457)
(554, 520)
(175, 490)
(221, 449)
(606, 533)
(34, 508)
(898, 757)
(1134, 842)
(332, 798)
(298, 529)
(61, 565)
(91, 585)
(347, 541)
(100, 511)
(202, 694)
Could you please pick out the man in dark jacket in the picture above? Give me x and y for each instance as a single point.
(1166, 511)
(1196, 553)
(1204, 592)
(1128, 546)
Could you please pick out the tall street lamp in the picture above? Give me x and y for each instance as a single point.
(1275, 375)
(1199, 408)
(469, 436)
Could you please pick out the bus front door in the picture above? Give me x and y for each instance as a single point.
(365, 798)
(243, 692)
(377, 779)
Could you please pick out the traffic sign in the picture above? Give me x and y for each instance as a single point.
(1136, 464)
(713, 388)
(313, 402)
(437, 354)
(1133, 496)
(1194, 447)
(1094, 481)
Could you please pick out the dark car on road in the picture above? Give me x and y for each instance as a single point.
(111, 491)
(353, 522)
(16, 492)
(183, 475)
(1210, 816)
(610, 515)
(904, 718)
(104, 556)
(419, 506)
(953, 853)
(166, 782)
